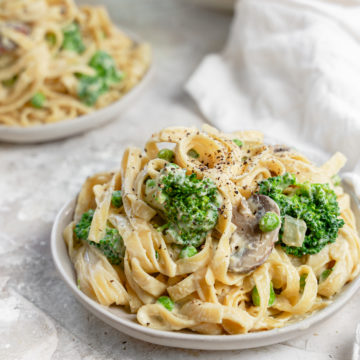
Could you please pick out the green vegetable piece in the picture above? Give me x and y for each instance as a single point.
(256, 297)
(336, 179)
(161, 198)
(238, 142)
(82, 228)
(90, 88)
(105, 67)
(73, 39)
(187, 251)
(193, 153)
(325, 274)
(166, 154)
(38, 100)
(305, 189)
(315, 204)
(50, 38)
(277, 184)
(116, 199)
(188, 205)
(303, 281)
(272, 296)
(112, 245)
(269, 222)
(162, 227)
(166, 302)
(294, 231)
(10, 82)
(78, 283)
(150, 183)
(157, 256)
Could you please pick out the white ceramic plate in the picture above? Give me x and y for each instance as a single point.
(80, 124)
(121, 320)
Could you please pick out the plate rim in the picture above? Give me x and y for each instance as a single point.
(101, 311)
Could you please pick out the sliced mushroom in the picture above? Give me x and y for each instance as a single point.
(7, 45)
(250, 247)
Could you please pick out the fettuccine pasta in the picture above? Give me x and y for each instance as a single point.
(176, 271)
(58, 61)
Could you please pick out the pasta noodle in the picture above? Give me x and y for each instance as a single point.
(50, 53)
(205, 295)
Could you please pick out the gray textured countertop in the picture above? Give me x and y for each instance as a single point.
(39, 317)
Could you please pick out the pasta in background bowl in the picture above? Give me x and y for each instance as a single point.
(60, 62)
(130, 248)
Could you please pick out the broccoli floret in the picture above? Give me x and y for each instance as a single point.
(82, 228)
(112, 245)
(116, 199)
(91, 87)
(105, 67)
(188, 204)
(73, 39)
(316, 204)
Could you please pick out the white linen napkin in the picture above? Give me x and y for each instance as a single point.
(290, 68)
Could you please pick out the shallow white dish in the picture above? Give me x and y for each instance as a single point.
(126, 323)
(80, 124)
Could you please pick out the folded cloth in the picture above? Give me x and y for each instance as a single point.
(290, 68)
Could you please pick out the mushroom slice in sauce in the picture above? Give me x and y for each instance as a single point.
(250, 247)
(7, 45)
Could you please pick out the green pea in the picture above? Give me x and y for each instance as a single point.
(270, 221)
(187, 251)
(238, 142)
(166, 302)
(116, 199)
(166, 154)
(324, 275)
(38, 100)
(256, 297)
(193, 153)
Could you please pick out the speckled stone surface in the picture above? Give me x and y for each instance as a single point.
(39, 317)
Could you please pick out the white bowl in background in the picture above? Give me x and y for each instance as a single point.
(118, 318)
(225, 5)
(69, 127)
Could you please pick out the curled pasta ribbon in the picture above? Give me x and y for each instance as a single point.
(207, 297)
(98, 278)
(39, 65)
